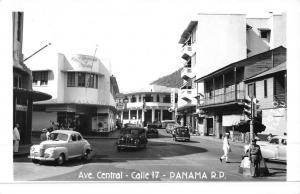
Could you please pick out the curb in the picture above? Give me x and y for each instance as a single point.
(100, 137)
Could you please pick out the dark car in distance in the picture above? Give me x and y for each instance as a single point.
(132, 137)
(181, 134)
(151, 132)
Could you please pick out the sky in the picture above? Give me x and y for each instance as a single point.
(136, 39)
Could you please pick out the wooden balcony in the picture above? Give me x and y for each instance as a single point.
(231, 96)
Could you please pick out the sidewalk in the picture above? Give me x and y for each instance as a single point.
(23, 151)
(212, 138)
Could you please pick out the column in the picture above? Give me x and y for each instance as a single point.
(161, 114)
(122, 116)
(153, 114)
(235, 88)
(143, 117)
(129, 116)
(205, 126)
(224, 88)
(137, 114)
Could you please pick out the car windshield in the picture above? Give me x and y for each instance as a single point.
(182, 129)
(58, 136)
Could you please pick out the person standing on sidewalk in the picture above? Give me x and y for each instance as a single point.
(226, 148)
(255, 157)
(16, 138)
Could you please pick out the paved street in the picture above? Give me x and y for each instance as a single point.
(163, 160)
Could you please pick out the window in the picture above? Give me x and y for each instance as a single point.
(157, 98)
(266, 88)
(71, 79)
(79, 137)
(19, 32)
(40, 78)
(91, 78)
(265, 34)
(73, 137)
(96, 81)
(274, 141)
(81, 79)
(44, 78)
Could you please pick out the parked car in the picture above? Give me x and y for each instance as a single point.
(132, 137)
(164, 123)
(171, 126)
(156, 124)
(275, 149)
(61, 146)
(181, 134)
(151, 132)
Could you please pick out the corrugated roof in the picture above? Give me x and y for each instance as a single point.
(278, 68)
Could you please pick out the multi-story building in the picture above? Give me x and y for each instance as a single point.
(269, 88)
(225, 89)
(23, 94)
(148, 105)
(84, 94)
(212, 41)
(209, 42)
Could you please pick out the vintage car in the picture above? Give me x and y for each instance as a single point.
(164, 123)
(132, 137)
(275, 149)
(61, 146)
(181, 134)
(151, 132)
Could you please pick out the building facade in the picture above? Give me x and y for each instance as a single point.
(270, 89)
(84, 95)
(148, 105)
(23, 94)
(212, 41)
(225, 91)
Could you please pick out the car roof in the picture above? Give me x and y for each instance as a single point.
(68, 132)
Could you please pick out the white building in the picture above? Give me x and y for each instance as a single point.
(212, 41)
(83, 93)
(148, 105)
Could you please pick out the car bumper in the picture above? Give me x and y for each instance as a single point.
(128, 146)
(182, 138)
(41, 158)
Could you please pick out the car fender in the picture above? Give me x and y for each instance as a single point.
(87, 146)
(60, 150)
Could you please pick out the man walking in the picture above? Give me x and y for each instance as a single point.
(16, 138)
(226, 148)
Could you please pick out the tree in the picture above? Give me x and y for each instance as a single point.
(244, 127)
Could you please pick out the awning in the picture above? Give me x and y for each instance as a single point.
(34, 95)
(231, 120)
(82, 71)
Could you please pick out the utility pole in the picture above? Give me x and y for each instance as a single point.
(38, 51)
(251, 120)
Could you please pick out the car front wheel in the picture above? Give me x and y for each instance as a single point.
(60, 160)
(87, 155)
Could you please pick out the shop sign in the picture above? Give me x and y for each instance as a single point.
(21, 107)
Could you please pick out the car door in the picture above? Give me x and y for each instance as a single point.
(282, 149)
(74, 146)
(81, 144)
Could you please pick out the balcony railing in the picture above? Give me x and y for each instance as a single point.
(223, 98)
(186, 73)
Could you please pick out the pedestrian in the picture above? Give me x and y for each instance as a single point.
(255, 157)
(16, 138)
(43, 135)
(226, 148)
